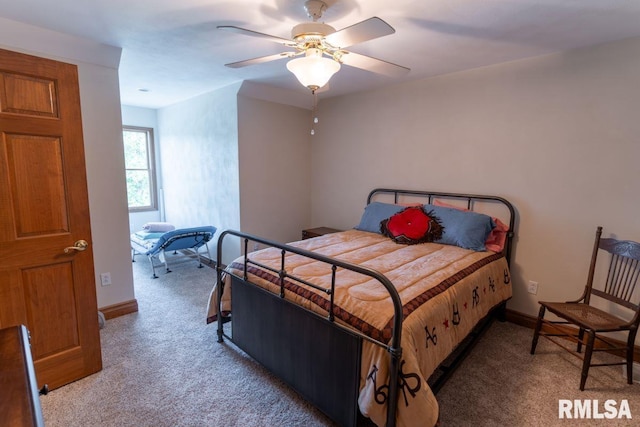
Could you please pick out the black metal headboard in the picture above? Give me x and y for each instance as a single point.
(469, 198)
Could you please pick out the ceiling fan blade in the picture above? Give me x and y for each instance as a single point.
(368, 29)
(252, 33)
(260, 60)
(372, 64)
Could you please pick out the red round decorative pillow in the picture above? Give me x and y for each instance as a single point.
(411, 226)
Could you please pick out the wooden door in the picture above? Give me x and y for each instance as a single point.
(44, 209)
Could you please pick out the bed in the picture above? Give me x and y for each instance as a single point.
(359, 321)
(155, 244)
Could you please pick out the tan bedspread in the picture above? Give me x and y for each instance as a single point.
(445, 291)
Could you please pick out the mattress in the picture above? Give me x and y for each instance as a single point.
(143, 241)
(445, 290)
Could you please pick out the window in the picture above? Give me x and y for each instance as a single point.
(139, 164)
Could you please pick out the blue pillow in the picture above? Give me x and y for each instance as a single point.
(375, 213)
(466, 229)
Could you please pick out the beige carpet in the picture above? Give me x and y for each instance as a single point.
(163, 367)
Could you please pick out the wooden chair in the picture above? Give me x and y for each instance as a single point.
(619, 289)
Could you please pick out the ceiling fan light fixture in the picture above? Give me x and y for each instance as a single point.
(313, 70)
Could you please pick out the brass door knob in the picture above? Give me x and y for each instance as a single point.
(79, 246)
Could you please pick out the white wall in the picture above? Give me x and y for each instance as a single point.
(146, 117)
(236, 162)
(104, 154)
(556, 135)
(198, 139)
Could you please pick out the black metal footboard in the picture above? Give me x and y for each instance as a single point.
(320, 361)
(324, 363)
(313, 354)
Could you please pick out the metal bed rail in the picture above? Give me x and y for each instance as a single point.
(393, 347)
(469, 198)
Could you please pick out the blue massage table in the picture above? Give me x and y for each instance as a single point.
(155, 245)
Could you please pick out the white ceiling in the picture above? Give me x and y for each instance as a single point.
(173, 49)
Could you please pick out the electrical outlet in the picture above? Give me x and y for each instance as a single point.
(256, 246)
(105, 279)
(533, 287)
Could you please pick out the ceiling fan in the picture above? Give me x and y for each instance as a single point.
(323, 48)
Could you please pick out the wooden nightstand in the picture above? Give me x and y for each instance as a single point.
(319, 231)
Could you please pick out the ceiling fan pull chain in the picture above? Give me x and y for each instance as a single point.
(314, 110)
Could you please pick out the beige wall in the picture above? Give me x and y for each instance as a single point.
(275, 162)
(104, 153)
(559, 136)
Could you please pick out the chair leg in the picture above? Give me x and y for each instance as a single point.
(587, 359)
(580, 338)
(630, 344)
(536, 332)
(153, 268)
(199, 260)
(163, 259)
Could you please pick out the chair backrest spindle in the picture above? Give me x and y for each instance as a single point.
(592, 266)
(624, 272)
